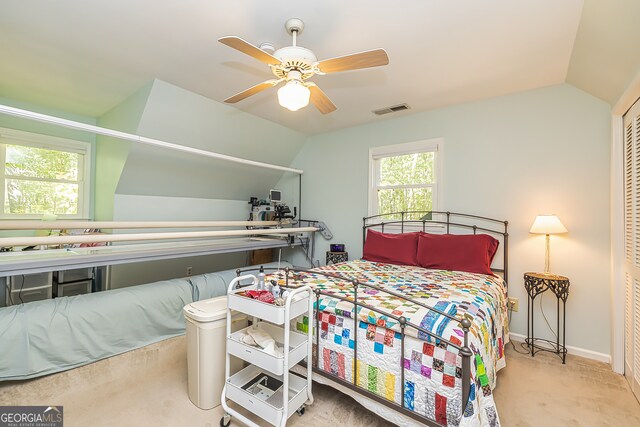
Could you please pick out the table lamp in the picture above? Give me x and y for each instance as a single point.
(547, 224)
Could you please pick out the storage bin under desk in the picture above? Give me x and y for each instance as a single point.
(19, 296)
(28, 287)
(26, 281)
(73, 275)
(73, 288)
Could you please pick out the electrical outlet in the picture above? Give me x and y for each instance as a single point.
(514, 304)
(189, 271)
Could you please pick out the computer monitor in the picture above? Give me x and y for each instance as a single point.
(275, 196)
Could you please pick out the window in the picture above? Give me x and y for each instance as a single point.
(43, 175)
(405, 178)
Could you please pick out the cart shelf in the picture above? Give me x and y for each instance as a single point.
(273, 313)
(260, 387)
(271, 409)
(257, 356)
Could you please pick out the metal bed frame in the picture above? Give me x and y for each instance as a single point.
(449, 222)
(406, 225)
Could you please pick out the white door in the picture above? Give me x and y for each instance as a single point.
(632, 246)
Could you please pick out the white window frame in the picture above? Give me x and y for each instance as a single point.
(17, 137)
(435, 145)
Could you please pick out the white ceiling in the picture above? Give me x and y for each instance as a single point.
(86, 57)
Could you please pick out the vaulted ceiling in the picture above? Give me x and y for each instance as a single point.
(86, 57)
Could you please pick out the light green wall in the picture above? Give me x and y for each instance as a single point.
(512, 157)
(157, 183)
(111, 153)
(161, 208)
(178, 116)
(47, 129)
(44, 128)
(161, 110)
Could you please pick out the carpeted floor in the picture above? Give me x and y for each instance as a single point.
(149, 387)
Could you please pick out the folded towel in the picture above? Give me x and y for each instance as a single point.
(264, 340)
(247, 339)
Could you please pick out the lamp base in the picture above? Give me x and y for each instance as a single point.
(546, 254)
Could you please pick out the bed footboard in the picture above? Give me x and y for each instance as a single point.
(463, 350)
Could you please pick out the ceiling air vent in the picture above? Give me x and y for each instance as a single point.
(392, 109)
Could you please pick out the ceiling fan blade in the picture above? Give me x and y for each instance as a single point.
(251, 91)
(370, 58)
(320, 100)
(251, 50)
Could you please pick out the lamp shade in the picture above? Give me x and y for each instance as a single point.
(547, 224)
(294, 95)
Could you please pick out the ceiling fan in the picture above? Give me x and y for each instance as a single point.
(295, 65)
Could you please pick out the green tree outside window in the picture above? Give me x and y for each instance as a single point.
(405, 184)
(39, 180)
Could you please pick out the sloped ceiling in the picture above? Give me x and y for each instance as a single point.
(176, 115)
(606, 55)
(86, 57)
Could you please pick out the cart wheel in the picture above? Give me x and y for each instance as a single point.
(225, 421)
(300, 410)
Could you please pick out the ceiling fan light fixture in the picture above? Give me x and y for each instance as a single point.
(295, 65)
(293, 95)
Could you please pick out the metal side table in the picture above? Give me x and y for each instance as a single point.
(536, 284)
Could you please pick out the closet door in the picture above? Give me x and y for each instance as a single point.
(632, 246)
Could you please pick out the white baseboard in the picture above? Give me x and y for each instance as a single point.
(576, 351)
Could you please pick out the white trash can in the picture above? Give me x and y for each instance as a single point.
(206, 349)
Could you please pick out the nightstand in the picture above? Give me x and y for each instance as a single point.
(536, 284)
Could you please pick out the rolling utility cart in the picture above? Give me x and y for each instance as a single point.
(260, 386)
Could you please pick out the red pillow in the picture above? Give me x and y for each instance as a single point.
(472, 253)
(391, 248)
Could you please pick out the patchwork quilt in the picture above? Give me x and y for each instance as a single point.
(432, 369)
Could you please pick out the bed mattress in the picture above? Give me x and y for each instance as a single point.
(432, 369)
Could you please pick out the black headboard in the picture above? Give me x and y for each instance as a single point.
(439, 222)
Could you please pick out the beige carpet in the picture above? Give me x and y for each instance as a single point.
(149, 387)
(541, 391)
